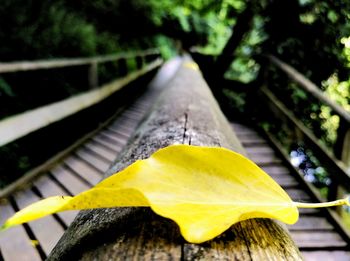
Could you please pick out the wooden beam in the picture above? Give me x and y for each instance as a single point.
(93, 75)
(17, 126)
(310, 87)
(339, 170)
(187, 113)
(67, 62)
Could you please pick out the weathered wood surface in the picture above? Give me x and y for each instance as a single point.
(185, 112)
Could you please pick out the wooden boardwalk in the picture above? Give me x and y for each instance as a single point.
(314, 234)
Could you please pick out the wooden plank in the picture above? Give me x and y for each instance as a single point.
(265, 160)
(318, 240)
(46, 230)
(84, 170)
(132, 118)
(93, 160)
(102, 145)
(47, 187)
(259, 149)
(248, 135)
(240, 126)
(326, 255)
(112, 137)
(278, 170)
(69, 181)
(254, 143)
(286, 181)
(111, 146)
(252, 139)
(15, 244)
(266, 153)
(243, 130)
(124, 122)
(120, 133)
(133, 114)
(17, 126)
(311, 223)
(311, 211)
(98, 149)
(298, 194)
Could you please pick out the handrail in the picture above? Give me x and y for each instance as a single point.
(309, 86)
(338, 161)
(339, 173)
(17, 126)
(69, 62)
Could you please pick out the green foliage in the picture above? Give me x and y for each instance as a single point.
(237, 100)
(166, 46)
(311, 36)
(5, 88)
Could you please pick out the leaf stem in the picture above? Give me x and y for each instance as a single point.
(339, 202)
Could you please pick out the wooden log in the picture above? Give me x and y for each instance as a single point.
(187, 113)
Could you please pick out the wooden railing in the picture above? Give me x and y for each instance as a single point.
(336, 162)
(341, 149)
(339, 159)
(67, 62)
(17, 126)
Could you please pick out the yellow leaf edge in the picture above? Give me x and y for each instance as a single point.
(62, 203)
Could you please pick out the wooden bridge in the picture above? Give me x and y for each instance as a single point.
(176, 107)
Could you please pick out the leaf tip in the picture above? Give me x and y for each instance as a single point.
(4, 227)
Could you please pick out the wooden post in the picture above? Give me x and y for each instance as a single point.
(93, 75)
(123, 69)
(139, 62)
(187, 113)
(342, 145)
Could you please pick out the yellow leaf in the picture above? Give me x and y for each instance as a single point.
(204, 190)
(34, 243)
